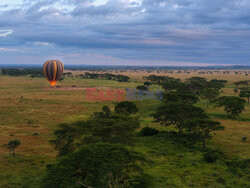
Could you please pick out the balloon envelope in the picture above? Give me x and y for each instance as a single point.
(53, 70)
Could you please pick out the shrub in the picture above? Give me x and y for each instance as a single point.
(211, 156)
(141, 87)
(221, 180)
(244, 139)
(238, 166)
(126, 108)
(29, 122)
(147, 83)
(148, 131)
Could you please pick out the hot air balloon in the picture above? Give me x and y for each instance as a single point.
(53, 70)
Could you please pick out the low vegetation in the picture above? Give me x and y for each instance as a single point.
(180, 141)
(106, 76)
(23, 72)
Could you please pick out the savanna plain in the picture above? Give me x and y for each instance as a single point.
(31, 110)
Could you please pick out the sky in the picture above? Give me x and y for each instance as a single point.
(125, 32)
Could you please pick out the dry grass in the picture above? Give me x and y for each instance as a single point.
(30, 110)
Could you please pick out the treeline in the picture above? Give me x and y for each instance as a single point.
(106, 76)
(23, 72)
(171, 71)
(179, 109)
(196, 88)
(159, 79)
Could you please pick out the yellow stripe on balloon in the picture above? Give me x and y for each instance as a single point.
(55, 70)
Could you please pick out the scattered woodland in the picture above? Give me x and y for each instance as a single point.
(198, 135)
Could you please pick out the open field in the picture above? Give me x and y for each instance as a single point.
(30, 110)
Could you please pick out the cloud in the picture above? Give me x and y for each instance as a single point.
(5, 33)
(215, 31)
(8, 50)
(42, 43)
(4, 6)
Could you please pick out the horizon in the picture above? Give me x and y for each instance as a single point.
(125, 32)
(82, 66)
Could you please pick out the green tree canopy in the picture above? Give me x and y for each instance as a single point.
(197, 84)
(245, 92)
(204, 128)
(126, 107)
(178, 114)
(241, 83)
(214, 83)
(174, 85)
(180, 97)
(210, 94)
(111, 128)
(97, 165)
(232, 105)
(159, 79)
(12, 145)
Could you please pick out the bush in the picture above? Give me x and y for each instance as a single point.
(126, 108)
(221, 180)
(142, 87)
(147, 83)
(244, 139)
(238, 166)
(148, 131)
(211, 156)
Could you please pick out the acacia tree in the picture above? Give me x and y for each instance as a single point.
(97, 165)
(197, 84)
(12, 145)
(180, 97)
(245, 92)
(204, 128)
(68, 137)
(126, 107)
(232, 105)
(241, 83)
(173, 85)
(104, 126)
(116, 128)
(178, 92)
(178, 114)
(219, 84)
(210, 94)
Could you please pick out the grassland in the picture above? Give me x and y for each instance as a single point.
(30, 110)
